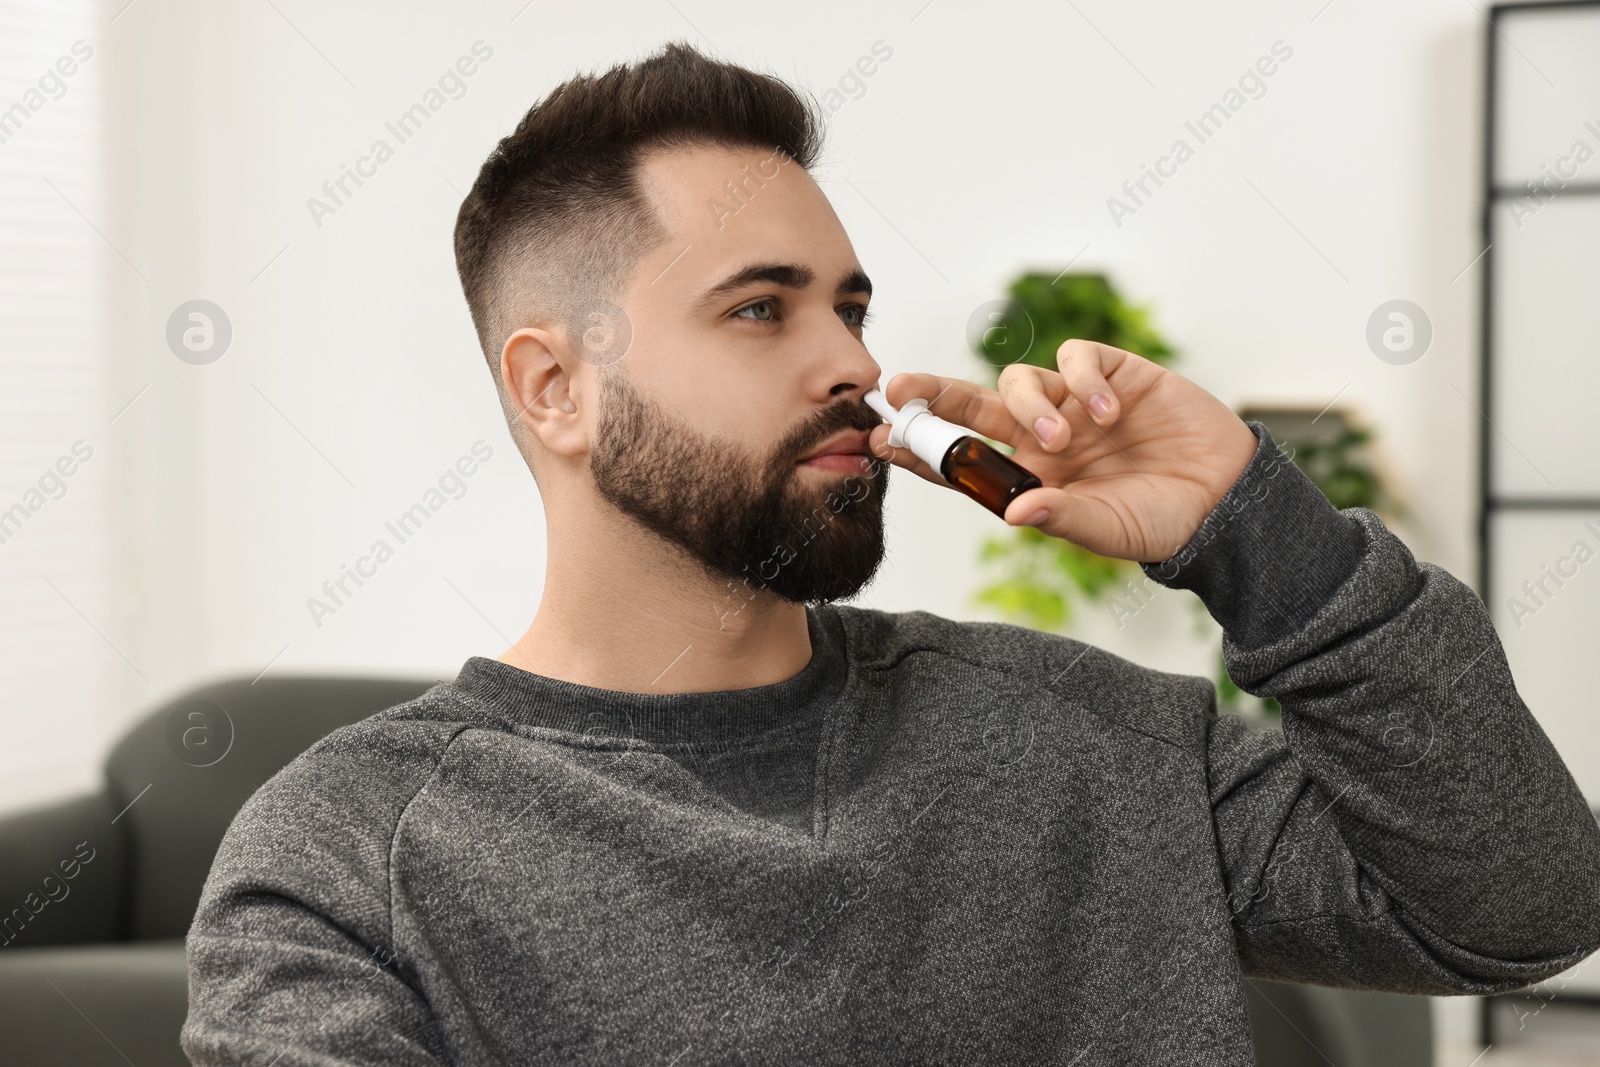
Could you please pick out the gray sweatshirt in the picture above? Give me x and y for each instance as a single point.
(940, 842)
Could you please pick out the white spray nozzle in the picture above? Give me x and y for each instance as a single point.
(913, 426)
(880, 403)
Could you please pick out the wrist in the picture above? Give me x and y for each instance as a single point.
(1269, 554)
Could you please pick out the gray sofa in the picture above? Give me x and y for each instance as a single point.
(101, 890)
(96, 975)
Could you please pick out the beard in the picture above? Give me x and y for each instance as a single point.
(761, 520)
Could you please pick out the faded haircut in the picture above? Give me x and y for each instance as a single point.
(557, 219)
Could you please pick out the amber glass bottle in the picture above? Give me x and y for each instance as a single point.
(964, 459)
(991, 478)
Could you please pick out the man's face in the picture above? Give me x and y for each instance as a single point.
(745, 357)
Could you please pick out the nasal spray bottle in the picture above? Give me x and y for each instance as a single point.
(960, 456)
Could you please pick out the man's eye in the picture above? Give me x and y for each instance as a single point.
(762, 311)
(855, 314)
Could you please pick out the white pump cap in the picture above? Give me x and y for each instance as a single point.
(915, 427)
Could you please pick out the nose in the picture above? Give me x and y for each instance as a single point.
(852, 370)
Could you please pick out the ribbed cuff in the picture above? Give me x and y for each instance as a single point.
(1270, 554)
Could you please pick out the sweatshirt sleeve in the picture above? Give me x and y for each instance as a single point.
(1410, 828)
(291, 952)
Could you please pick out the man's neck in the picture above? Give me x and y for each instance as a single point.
(624, 610)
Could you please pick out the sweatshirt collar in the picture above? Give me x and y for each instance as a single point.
(666, 718)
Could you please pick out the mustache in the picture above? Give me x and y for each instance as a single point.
(844, 415)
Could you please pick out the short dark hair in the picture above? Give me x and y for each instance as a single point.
(557, 217)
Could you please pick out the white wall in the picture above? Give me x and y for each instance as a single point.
(989, 142)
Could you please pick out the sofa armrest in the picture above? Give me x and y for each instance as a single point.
(94, 1005)
(1293, 1024)
(62, 871)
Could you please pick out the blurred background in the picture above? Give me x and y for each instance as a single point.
(234, 351)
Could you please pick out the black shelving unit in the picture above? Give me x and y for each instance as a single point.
(1497, 192)
(1498, 500)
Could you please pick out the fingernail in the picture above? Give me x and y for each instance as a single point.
(1037, 517)
(1045, 428)
(1099, 405)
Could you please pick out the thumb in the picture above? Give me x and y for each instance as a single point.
(1071, 516)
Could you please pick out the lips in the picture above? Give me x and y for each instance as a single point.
(853, 443)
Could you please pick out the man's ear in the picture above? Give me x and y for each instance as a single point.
(534, 366)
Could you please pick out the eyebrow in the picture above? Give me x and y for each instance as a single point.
(787, 275)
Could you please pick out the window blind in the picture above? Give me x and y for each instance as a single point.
(55, 431)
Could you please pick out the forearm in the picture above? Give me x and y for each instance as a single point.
(1397, 701)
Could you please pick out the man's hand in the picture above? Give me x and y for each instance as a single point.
(1130, 476)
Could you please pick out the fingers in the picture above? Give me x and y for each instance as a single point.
(961, 402)
(1041, 400)
(1031, 401)
(1085, 366)
(878, 445)
(1034, 397)
(1069, 516)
